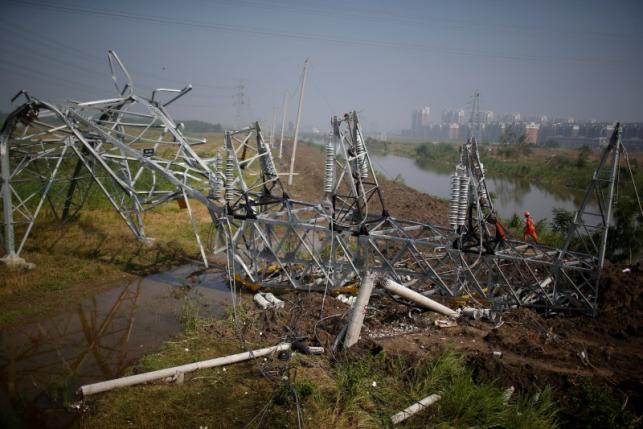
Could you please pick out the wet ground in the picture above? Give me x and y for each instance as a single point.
(43, 364)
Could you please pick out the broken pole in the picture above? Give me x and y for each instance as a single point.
(104, 386)
(417, 298)
(415, 408)
(359, 310)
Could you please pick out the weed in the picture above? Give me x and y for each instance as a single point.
(590, 406)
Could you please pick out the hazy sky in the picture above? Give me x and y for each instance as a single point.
(384, 58)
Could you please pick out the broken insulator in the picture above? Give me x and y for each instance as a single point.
(329, 167)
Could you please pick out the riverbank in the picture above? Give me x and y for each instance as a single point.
(560, 171)
(402, 357)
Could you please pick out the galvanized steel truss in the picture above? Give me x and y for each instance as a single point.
(134, 152)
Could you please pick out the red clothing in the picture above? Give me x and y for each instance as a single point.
(530, 229)
(500, 232)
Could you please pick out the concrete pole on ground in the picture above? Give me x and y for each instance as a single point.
(359, 310)
(146, 377)
(417, 298)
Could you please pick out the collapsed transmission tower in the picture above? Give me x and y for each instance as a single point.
(133, 151)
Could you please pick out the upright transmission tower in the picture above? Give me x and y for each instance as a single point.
(475, 127)
(239, 103)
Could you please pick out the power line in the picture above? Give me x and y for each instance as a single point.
(420, 20)
(69, 50)
(155, 19)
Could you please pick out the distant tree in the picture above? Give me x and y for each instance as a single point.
(625, 238)
(550, 143)
(509, 136)
(562, 220)
(515, 221)
(583, 156)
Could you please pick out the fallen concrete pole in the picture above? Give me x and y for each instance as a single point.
(417, 298)
(415, 408)
(359, 310)
(104, 386)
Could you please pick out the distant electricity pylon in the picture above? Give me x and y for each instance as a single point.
(475, 127)
(239, 103)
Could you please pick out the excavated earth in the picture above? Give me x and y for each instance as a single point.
(523, 349)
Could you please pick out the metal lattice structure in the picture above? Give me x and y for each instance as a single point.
(129, 147)
(134, 152)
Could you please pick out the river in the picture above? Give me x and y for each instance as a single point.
(511, 196)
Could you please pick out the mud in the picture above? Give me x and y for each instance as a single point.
(532, 350)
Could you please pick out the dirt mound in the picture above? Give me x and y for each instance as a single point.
(620, 310)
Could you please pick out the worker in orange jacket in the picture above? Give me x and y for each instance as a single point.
(530, 228)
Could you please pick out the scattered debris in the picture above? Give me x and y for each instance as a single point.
(276, 302)
(415, 408)
(445, 323)
(268, 300)
(479, 313)
(507, 394)
(350, 300)
(584, 358)
(261, 301)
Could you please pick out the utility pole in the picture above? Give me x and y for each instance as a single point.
(283, 124)
(272, 128)
(475, 128)
(301, 103)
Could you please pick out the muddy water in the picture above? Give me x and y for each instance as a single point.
(512, 196)
(43, 364)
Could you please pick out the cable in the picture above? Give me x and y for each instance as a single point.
(62, 47)
(155, 19)
(420, 20)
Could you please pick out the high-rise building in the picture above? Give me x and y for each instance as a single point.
(420, 121)
(531, 133)
(425, 116)
(454, 131)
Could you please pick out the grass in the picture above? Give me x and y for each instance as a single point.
(354, 391)
(80, 258)
(559, 171)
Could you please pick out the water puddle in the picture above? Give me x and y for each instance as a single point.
(42, 364)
